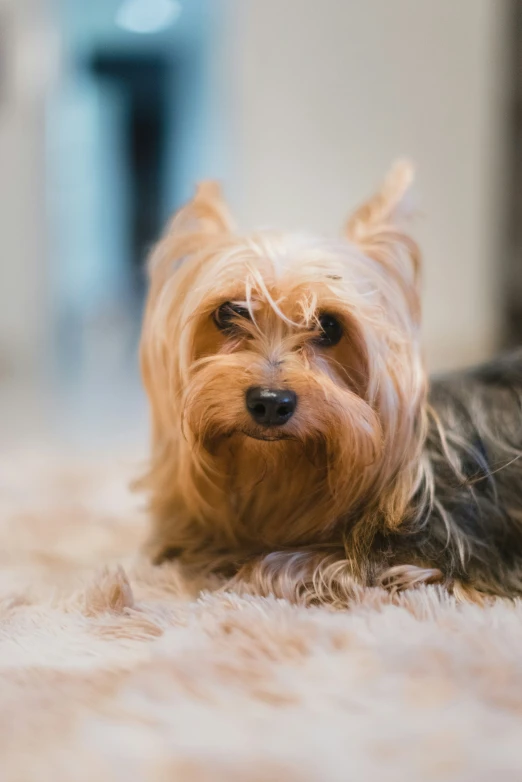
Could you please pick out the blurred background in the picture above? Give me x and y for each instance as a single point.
(111, 110)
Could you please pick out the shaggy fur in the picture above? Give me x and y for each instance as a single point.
(472, 530)
(371, 479)
(113, 670)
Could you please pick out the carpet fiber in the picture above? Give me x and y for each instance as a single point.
(111, 669)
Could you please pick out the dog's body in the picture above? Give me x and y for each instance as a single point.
(295, 447)
(472, 531)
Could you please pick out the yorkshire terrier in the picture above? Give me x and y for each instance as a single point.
(297, 445)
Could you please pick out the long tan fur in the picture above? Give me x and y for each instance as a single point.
(351, 462)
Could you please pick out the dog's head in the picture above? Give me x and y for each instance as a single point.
(271, 344)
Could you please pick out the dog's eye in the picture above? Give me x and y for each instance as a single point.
(226, 316)
(331, 330)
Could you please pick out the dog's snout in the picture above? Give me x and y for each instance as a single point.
(270, 406)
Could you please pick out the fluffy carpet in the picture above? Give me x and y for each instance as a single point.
(113, 670)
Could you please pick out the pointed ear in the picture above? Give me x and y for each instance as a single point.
(378, 226)
(388, 208)
(204, 216)
(207, 212)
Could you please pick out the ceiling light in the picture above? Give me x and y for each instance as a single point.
(147, 16)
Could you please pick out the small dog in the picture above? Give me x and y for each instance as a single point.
(296, 444)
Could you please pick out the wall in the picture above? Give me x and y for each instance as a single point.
(325, 95)
(27, 56)
(318, 99)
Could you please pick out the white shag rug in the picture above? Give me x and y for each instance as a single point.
(111, 669)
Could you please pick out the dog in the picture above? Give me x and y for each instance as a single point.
(297, 445)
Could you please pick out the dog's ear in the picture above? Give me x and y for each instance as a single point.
(389, 208)
(378, 226)
(206, 212)
(205, 216)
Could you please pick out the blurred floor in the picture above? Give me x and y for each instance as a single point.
(102, 406)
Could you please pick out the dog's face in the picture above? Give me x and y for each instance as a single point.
(258, 349)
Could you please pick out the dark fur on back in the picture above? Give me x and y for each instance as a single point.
(471, 528)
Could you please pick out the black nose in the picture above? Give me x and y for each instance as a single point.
(270, 407)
